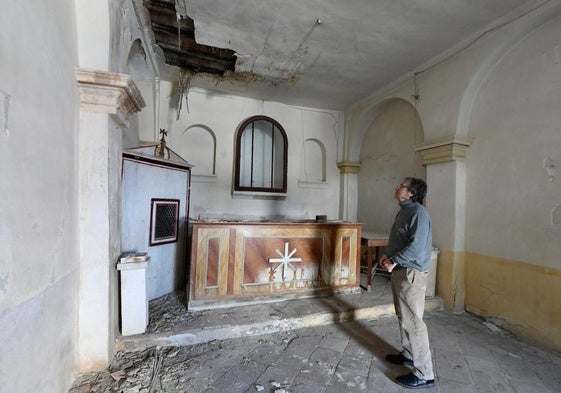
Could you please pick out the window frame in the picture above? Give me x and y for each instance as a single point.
(173, 237)
(238, 147)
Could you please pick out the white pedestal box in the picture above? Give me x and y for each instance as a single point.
(134, 300)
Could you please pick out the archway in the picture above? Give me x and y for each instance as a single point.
(387, 155)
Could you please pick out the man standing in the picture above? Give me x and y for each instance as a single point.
(408, 257)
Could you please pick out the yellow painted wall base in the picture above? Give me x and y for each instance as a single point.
(526, 297)
(450, 279)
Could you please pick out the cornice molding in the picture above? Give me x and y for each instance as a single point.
(445, 150)
(107, 92)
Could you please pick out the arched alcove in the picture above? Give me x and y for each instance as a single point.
(139, 71)
(314, 161)
(387, 156)
(198, 144)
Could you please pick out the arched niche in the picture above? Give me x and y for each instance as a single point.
(314, 161)
(387, 156)
(198, 145)
(142, 123)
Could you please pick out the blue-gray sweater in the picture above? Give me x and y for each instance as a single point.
(410, 242)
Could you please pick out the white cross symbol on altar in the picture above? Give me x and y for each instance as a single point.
(285, 260)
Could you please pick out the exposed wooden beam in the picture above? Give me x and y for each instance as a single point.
(176, 37)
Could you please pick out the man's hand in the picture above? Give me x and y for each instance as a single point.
(387, 264)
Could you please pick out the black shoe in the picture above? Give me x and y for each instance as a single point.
(413, 382)
(399, 359)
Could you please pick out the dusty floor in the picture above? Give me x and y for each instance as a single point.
(469, 354)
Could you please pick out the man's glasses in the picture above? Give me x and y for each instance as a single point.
(403, 186)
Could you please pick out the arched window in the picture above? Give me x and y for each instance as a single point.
(261, 156)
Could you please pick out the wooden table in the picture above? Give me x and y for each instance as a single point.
(372, 240)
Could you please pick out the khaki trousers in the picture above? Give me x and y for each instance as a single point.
(408, 289)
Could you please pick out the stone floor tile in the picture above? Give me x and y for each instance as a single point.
(273, 377)
(476, 348)
(445, 385)
(354, 365)
(321, 366)
(378, 340)
(291, 363)
(451, 364)
(304, 385)
(341, 329)
(385, 332)
(347, 381)
(382, 381)
(303, 346)
(488, 376)
(550, 375)
(358, 351)
(269, 349)
(239, 378)
(334, 342)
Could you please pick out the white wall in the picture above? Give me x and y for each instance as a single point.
(222, 115)
(38, 214)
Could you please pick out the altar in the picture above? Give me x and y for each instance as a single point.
(235, 263)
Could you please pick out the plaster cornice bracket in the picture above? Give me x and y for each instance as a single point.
(444, 150)
(107, 92)
(348, 167)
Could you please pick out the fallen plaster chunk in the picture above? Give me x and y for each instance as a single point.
(276, 384)
(492, 327)
(259, 387)
(117, 375)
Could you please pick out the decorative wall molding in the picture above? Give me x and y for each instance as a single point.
(107, 92)
(348, 166)
(445, 150)
(312, 184)
(203, 178)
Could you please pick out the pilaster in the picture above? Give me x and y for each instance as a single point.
(348, 171)
(107, 100)
(446, 177)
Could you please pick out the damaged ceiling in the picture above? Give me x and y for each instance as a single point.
(317, 53)
(176, 38)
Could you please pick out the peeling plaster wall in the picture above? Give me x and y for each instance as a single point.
(515, 125)
(513, 271)
(222, 114)
(521, 297)
(38, 213)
